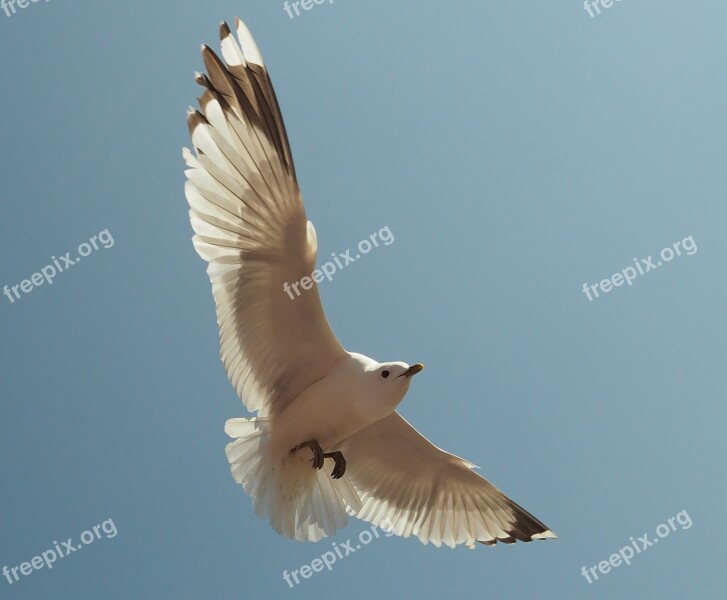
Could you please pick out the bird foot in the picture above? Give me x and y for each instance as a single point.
(315, 447)
(318, 457)
(340, 468)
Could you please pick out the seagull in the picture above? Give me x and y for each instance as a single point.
(327, 441)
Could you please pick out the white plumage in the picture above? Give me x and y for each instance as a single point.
(312, 397)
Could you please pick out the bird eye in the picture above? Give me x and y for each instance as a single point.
(384, 374)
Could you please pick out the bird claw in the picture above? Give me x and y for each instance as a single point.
(319, 456)
(315, 447)
(340, 467)
(317, 459)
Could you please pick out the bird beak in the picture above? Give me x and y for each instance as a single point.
(413, 370)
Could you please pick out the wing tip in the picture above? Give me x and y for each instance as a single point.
(247, 42)
(545, 535)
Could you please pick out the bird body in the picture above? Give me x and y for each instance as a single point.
(350, 397)
(327, 440)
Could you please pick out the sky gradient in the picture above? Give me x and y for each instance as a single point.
(516, 151)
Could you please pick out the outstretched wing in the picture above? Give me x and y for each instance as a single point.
(413, 487)
(250, 225)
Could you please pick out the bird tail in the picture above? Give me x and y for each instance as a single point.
(302, 503)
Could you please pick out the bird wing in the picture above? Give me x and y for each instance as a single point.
(250, 226)
(412, 487)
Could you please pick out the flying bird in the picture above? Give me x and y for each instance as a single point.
(327, 441)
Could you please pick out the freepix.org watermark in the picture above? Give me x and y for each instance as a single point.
(637, 546)
(340, 551)
(9, 5)
(640, 267)
(48, 558)
(46, 275)
(289, 7)
(593, 5)
(341, 261)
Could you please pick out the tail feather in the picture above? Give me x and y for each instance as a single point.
(302, 503)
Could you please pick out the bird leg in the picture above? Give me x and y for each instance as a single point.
(318, 457)
(340, 467)
(315, 448)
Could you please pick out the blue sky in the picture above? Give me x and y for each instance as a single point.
(515, 151)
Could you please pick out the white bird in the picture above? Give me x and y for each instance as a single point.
(310, 395)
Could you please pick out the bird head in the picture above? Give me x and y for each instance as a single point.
(390, 381)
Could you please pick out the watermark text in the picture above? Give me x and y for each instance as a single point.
(640, 267)
(636, 546)
(340, 551)
(50, 271)
(340, 261)
(47, 559)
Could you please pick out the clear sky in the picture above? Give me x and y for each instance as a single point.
(515, 150)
